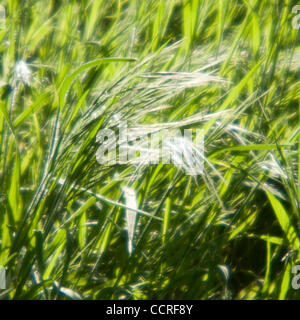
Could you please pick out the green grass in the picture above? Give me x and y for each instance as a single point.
(230, 233)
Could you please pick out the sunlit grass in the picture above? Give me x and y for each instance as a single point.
(68, 69)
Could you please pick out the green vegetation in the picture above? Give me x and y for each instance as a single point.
(230, 68)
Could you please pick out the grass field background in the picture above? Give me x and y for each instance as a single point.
(230, 68)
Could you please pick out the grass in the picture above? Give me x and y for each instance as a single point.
(229, 68)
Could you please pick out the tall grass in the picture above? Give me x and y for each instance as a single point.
(227, 67)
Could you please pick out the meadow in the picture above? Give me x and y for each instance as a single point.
(72, 228)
